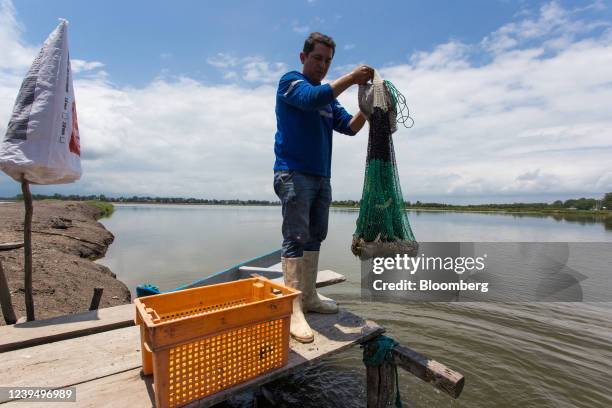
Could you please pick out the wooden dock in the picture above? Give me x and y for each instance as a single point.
(98, 352)
(105, 367)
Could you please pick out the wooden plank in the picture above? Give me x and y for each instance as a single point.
(324, 278)
(29, 334)
(430, 371)
(103, 375)
(247, 271)
(328, 277)
(124, 389)
(72, 361)
(255, 269)
(7, 246)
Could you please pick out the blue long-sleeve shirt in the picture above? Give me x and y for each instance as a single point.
(306, 116)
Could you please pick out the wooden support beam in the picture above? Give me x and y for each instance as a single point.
(5, 299)
(27, 248)
(28, 334)
(437, 374)
(95, 299)
(380, 381)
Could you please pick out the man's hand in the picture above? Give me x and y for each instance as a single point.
(362, 74)
(358, 76)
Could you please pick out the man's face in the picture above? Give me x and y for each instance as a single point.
(317, 62)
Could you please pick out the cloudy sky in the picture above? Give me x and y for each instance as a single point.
(512, 100)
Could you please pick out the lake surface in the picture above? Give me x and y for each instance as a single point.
(512, 354)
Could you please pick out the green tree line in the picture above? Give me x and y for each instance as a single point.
(604, 203)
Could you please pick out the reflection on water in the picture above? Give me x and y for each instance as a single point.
(512, 355)
(583, 219)
(580, 218)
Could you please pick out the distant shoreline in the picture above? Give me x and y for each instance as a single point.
(600, 213)
(478, 208)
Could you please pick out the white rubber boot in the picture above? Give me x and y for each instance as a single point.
(293, 275)
(311, 300)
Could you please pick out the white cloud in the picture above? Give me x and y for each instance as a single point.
(82, 66)
(230, 75)
(604, 183)
(254, 69)
(13, 53)
(299, 28)
(552, 20)
(451, 55)
(258, 70)
(349, 47)
(222, 60)
(533, 119)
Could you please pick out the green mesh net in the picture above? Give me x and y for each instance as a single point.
(382, 226)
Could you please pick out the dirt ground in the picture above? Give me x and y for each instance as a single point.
(66, 240)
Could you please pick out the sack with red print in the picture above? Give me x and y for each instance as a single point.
(42, 142)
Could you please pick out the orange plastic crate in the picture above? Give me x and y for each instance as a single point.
(199, 341)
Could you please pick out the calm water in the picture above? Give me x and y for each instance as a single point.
(512, 355)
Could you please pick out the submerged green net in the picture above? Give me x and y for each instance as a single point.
(382, 226)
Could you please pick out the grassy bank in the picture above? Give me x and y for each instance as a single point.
(106, 209)
(488, 208)
(542, 211)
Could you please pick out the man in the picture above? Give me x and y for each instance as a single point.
(307, 113)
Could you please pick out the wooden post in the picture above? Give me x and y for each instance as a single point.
(27, 249)
(5, 299)
(95, 300)
(380, 381)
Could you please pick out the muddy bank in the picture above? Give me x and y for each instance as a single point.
(66, 240)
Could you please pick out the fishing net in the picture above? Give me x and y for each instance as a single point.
(382, 226)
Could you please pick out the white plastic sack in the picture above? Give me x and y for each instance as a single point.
(42, 141)
(376, 95)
